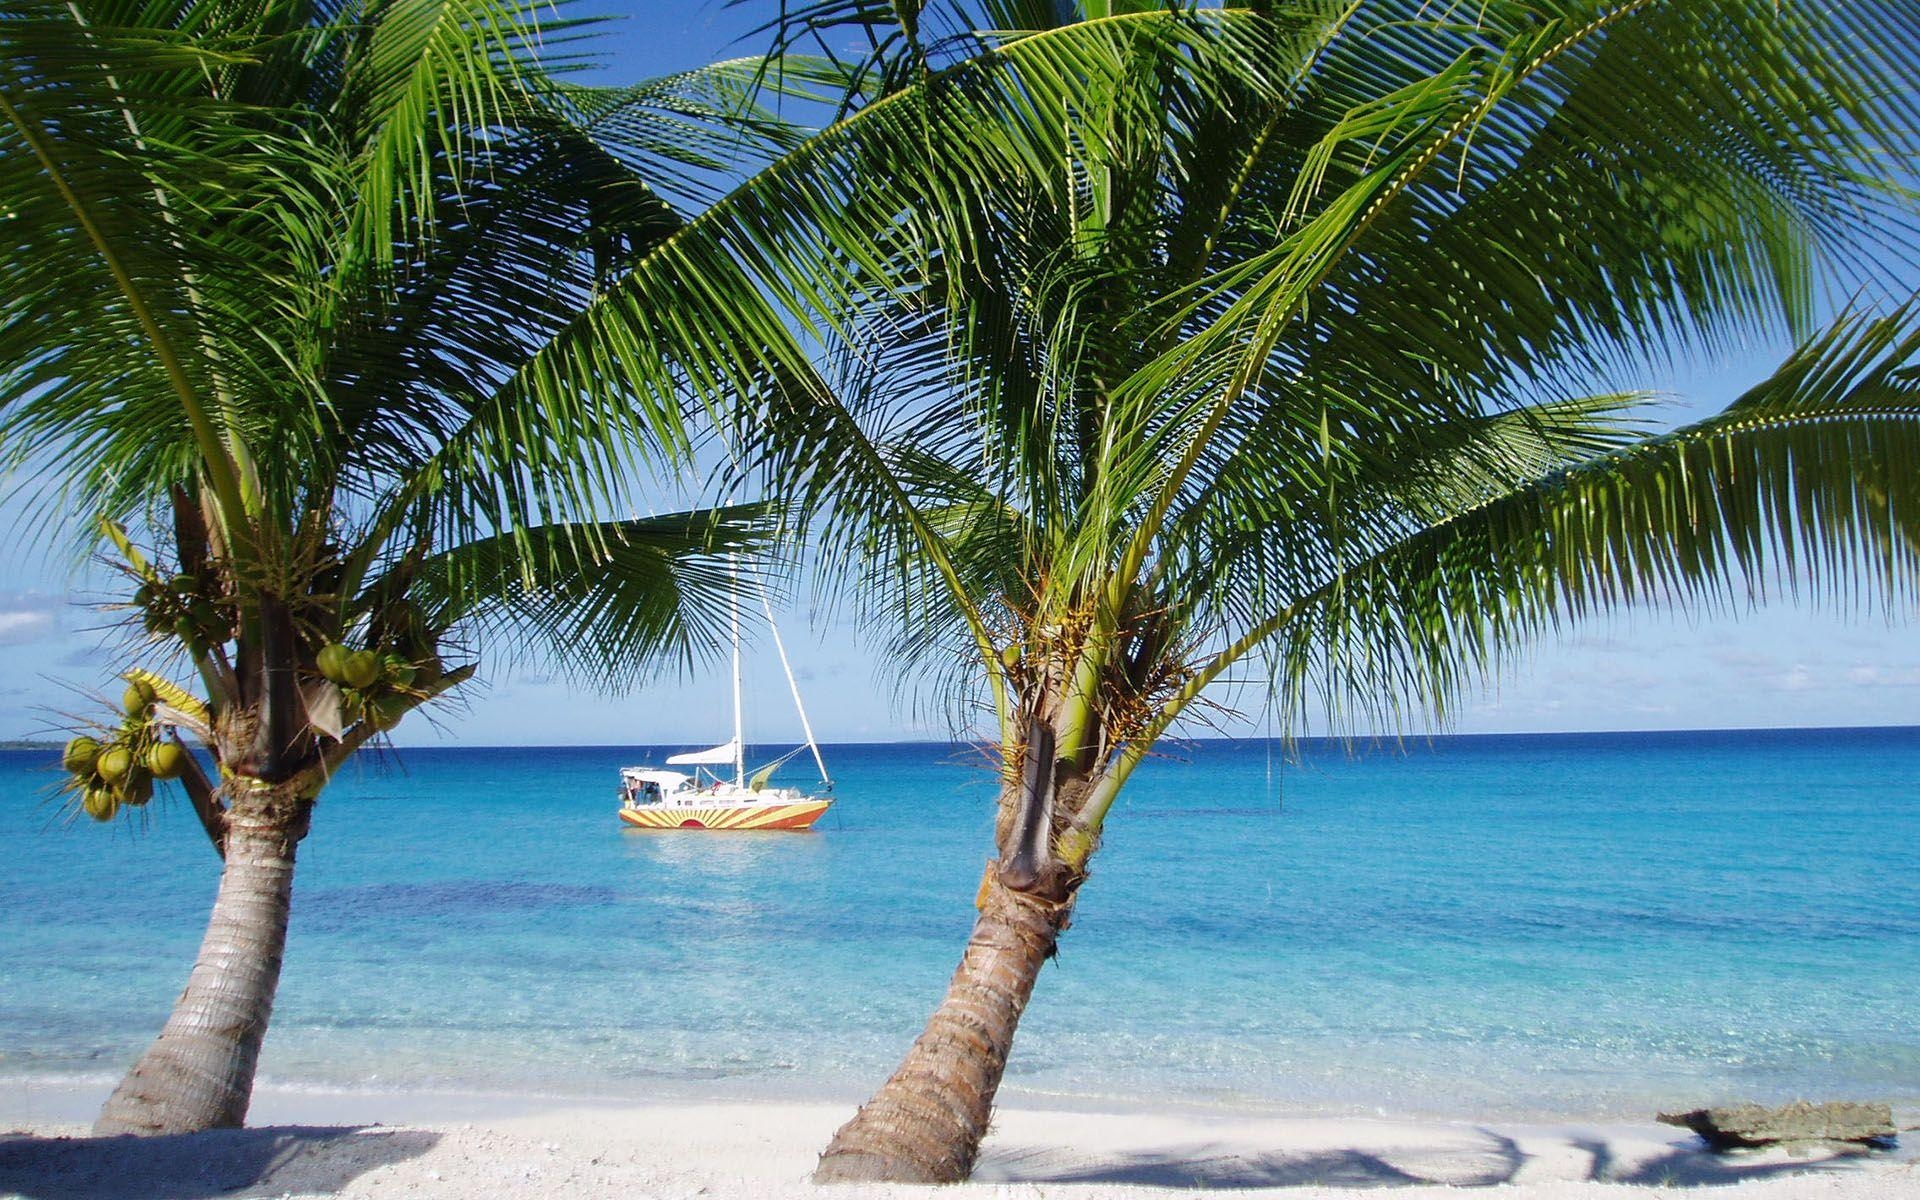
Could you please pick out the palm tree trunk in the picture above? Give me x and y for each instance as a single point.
(926, 1123)
(199, 1074)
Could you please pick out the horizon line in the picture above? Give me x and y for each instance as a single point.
(1319, 737)
(31, 743)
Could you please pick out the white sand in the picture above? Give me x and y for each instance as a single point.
(424, 1146)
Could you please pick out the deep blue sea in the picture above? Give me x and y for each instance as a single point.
(1569, 925)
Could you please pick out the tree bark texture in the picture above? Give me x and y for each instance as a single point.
(926, 1123)
(199, 1073)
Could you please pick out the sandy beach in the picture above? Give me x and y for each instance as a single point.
(378, 1145)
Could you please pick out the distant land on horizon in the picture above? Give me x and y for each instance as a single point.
(1312, 740)
(35, 744)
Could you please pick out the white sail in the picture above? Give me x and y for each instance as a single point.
(723, 753)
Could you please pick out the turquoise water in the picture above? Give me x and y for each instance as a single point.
(1578, 926)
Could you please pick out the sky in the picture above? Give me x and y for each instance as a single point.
(1781, 665)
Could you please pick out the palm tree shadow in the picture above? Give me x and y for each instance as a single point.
(1337, 1168)
(271, 1161)
(1696, 1165)
(1226, 1168)
(1497, 1160)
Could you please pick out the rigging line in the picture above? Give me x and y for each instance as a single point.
(782, 761)
(799, 706)
(1274, 783)
(739, 734)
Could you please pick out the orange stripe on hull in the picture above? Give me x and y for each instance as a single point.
(800, 815)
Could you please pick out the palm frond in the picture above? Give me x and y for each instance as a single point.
(606, 602)
(1802, 486)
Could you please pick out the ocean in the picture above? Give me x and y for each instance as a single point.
(1581, 926)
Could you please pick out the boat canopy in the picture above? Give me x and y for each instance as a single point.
(669, 781)
(722, 754)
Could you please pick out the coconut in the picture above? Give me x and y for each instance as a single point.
(114, 763)
(138, 698)
(1010, 655)
(135, 790)
(384, 712)
(79, 756)
(362, 669)
(208, 621)
(99, 803)
(167, 760)
(332, 661)
(399, 672)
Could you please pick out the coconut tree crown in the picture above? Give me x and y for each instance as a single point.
(280, 279)
(1377, 280)
(1294, 335)
(311, 317)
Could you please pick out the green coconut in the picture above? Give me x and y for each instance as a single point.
(1010, 655)
(399, 672)
(167, 760)
(332, 661)
(136, 789)
(208, 621)
(138, 698)
(384, 712)
(80, 755)
(114, 763)
(362, 669)
(99, 803)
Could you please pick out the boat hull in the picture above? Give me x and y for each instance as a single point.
(797, 814)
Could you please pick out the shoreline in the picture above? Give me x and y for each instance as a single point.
(375, 1144)
(73, 1098)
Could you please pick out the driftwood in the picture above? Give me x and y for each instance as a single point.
(1739, 1125)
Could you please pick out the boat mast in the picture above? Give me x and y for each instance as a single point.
(739, 742)
(806, 726)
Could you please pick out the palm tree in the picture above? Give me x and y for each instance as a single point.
(311, 319)
(1300, 357)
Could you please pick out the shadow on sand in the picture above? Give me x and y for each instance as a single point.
(1491, 1162)
(272, 1161)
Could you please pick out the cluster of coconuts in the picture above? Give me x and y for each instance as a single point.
(177, 607)
(121, 771)
(373, 685)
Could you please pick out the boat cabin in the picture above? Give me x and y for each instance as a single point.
(640, 786)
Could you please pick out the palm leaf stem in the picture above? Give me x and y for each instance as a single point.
(337, 754)
(245, 471)
(1726, 427)
(935, 547)
(213, 451)
(1076, 719)
(1250, 162)
(1272, 323)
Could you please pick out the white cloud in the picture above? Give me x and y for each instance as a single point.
(24, 624)
(1798, 678)
(1881, 676)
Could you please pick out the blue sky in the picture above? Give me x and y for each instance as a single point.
(1779, 666)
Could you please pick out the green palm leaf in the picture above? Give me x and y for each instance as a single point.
(607, 602)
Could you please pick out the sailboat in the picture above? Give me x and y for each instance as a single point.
(704, 798)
